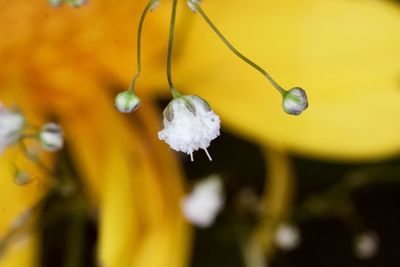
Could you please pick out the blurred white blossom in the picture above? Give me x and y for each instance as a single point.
(12, 124)
(203, 204)
(287, 237)
(366, 245)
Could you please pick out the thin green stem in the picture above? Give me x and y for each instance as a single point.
(139, 45)
(235, 51)
(170, 47)
(34, 158)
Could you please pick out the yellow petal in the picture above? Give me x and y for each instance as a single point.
(21, 254)
(134, 178)
(49, 45)
(344, 53)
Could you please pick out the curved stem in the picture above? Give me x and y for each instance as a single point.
(276, 200)
(35, 159)
(170, 47)
(139, 45)
(235, 51)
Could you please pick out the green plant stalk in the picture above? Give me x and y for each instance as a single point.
(236, 52)
(174, 92)
(139, 46)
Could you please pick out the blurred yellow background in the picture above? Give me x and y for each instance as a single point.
(67, 64)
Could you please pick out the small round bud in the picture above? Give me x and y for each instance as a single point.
(55, 3)
(192, 4)
(295, 101)
(77, 3)
(154, 4)
(51, 137)
(127, 102)
(21, 177)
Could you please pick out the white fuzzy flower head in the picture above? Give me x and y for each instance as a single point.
(203, 204)
(287, 237)
(51, 137)
(189, 124)
(126, 102)
(191, 4)
(12, 124)
(295, 101)
(366, 245)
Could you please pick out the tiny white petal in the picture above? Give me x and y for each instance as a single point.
(366, 245)
(51, 137)
(189, 124)
(203, 204)
(287, 237)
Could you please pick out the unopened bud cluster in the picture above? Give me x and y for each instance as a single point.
(14, 130)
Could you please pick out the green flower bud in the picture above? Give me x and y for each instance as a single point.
(295, 101)
(126, 102)
(192, 4)
(21, 177)
(51, 137)
(55, 3)
(154, 4)
(77, 3)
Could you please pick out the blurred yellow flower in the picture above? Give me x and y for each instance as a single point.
(54, 61)
(68, 63)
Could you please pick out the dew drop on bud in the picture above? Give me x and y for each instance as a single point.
(126, 102)
(295, 101)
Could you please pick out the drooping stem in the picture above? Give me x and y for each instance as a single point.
(174, 92)
(139, 45)
(275, 207)
(235, 51)
(35, 159)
